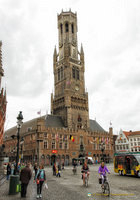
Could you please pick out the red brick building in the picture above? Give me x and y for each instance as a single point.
(2, 100)
(67, 132)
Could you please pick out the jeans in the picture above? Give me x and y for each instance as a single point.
(23, 189)
(8, 177)
(103, 178)
(39, 187)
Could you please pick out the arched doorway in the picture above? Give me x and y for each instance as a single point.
(43, 159)
(59, 159)
(53, 159)
(48, 160)
(67, 160)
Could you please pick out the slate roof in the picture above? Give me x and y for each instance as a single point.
(50, 121)
(94, 126)
(32, 124)
(54, 121)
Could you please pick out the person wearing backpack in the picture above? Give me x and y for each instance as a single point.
(8, 171)
(40, 178)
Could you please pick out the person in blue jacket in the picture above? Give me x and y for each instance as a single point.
(40, 178)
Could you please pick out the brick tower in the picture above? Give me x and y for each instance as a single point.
(70, 101)
(2, 100)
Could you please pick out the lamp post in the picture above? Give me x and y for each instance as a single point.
(19, 124)
(21, 143)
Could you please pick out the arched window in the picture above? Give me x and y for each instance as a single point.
(58, 74)
(66, 27)
(72, 28)
(73, 72)
(77, 74)
(61, 28)
(61, 73)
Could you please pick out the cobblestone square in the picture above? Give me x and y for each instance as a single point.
(69, 187)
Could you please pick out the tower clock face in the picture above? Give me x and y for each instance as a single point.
(77, 87)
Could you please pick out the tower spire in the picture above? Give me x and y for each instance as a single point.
(82, 54)
(55, 54)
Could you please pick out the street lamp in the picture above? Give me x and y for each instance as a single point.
(19, 124)
(21, 143)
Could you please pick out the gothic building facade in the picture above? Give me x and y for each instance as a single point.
(67, 132)
(2, 99)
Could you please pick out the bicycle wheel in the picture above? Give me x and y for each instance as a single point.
(103, 189)
(106, 188)
(86, 182)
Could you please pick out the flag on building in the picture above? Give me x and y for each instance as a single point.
(72, 138)
(39, 112)
(57, 137)
(106, 140)
(97, 140)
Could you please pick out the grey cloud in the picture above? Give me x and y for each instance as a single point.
(130, 81)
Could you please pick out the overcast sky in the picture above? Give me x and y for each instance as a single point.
(110, 33)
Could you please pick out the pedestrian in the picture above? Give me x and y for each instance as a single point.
(63, 165)
(35, 169)
(8, 171)
(40, 178)
(25, 177)
(54, 169)
(12, 168)
(58, 170)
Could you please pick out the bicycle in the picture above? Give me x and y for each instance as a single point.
(74, 170)
(86, 177)
(106, 188)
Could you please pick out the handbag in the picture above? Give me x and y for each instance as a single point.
(37, 181)
(46, 186)
(18, 188)
(100, 180)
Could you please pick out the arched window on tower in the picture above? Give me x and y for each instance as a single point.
(67, 27)
(58, 74)
(77, 74)
(62, 73)
(61, 28)
(72, 28)
(73, 72)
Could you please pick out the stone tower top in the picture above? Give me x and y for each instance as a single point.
(67, 31)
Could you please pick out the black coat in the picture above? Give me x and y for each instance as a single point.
(8, 169)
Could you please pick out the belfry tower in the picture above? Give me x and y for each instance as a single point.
(70, 101)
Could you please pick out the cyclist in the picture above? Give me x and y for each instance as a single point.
(102, 171)
(84, 170)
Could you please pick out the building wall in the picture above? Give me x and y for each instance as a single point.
(60, 135)
(122, 143)
(134, 143)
